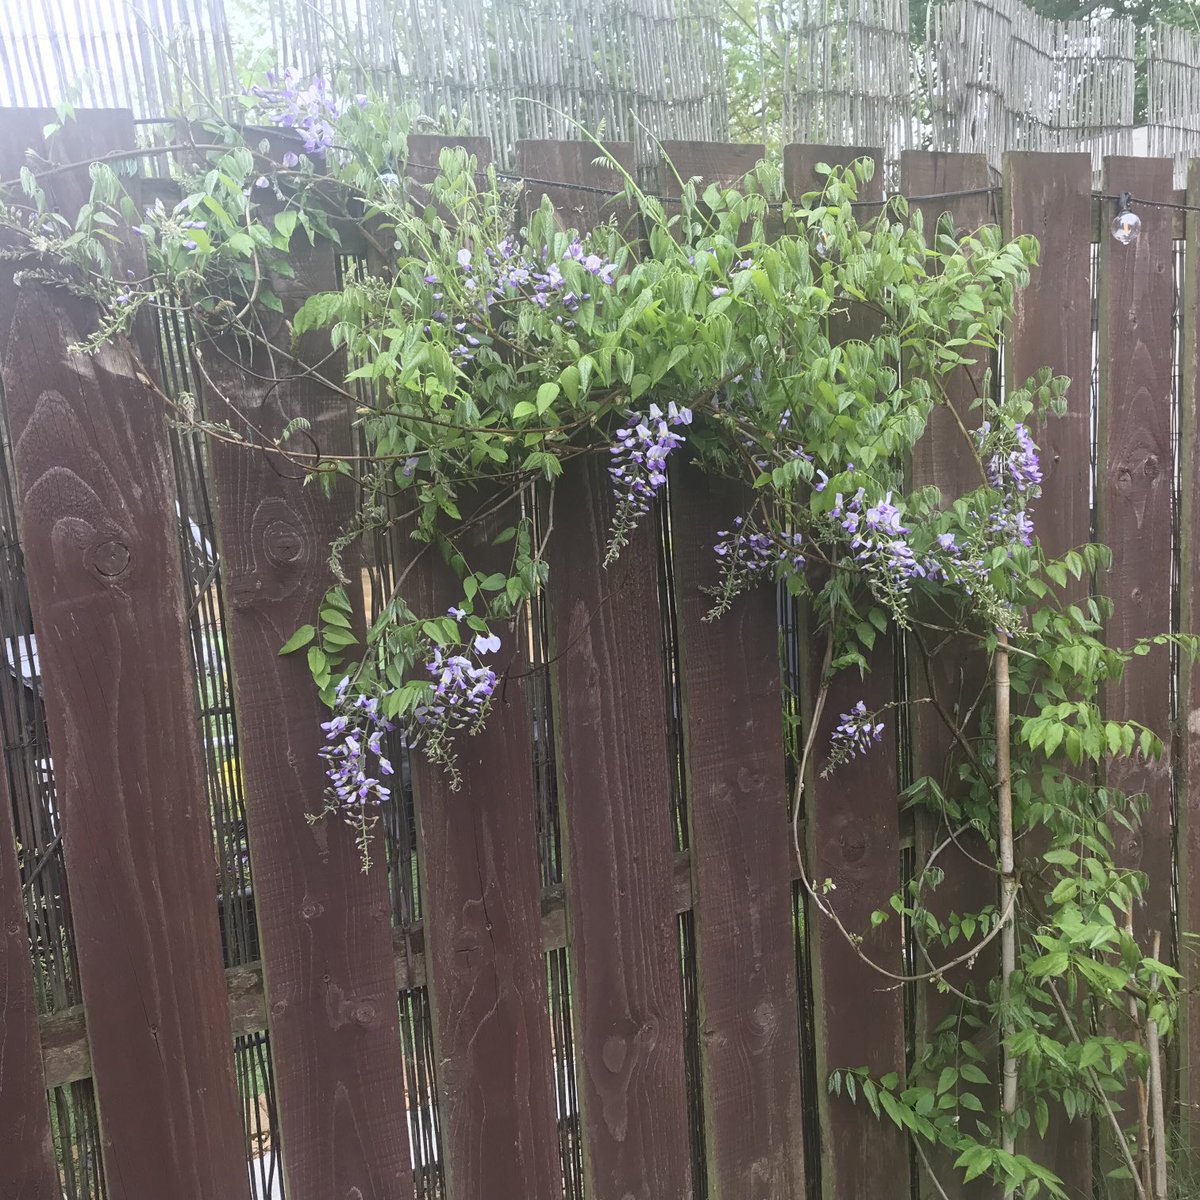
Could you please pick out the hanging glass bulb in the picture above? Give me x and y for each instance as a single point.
(1126, 224)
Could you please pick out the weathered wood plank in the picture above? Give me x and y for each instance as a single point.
(1187, 838)
(853, 839)
(1049, 196)
(324, 924)
(1133, 510)
(97, 514)
(957, 673)
(741, 861)
(483, 919)
(737, 810)
(610, 717)
(27, 1167)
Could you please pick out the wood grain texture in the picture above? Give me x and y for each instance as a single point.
(723, 163)
(957, 673)
(1049, 196)
(483, 919)
(610, 710)
(98, 518)
(741, 861)
(95, 496)
(610, 714)
(27, 1165)
(324, 924)
(1187, 841)
(1133, 511)
(852, 823)
(544, 161)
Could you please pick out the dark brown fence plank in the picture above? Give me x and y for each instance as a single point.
(483, 920)
(1133, 507)
(97, 513)
(722, 163)
(1187, 841)
(611, 718)
(737, 808)
(27, 1164)
(324, 923)
(741, 860)
(1049, 196)
(852, 824)
(958, 672)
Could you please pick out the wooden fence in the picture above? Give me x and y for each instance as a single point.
(589, 973)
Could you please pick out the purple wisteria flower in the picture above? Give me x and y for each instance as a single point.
(312, 110)
(747, 555)
(462, 691)
(880, 546)
(1019, 469)
(353, 743)
(857, 731)
(639, 466)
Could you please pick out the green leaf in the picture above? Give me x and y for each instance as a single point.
(546, 395)
(298, 640)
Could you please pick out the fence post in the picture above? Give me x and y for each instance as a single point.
(610, 709)
(852, 838)
(954, 672)
(1049, 196)
(325, 924)
(96, 502)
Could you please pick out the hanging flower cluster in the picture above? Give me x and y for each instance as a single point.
(355, 762)
(878, 540)
(639, 467)
(462, 690)
(312, 110)
(747, 555)
(856, 732)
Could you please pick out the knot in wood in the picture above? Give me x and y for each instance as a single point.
(109, 558)
(283, 543)
(1150, 467)
(364, 1013)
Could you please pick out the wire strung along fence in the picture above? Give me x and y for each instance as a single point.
(590, 972)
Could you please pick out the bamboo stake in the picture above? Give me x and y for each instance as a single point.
(1008, 891)
(1156, 1089)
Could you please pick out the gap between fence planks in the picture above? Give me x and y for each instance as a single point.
(27, 1167)
(734, 757)
(97, 515)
